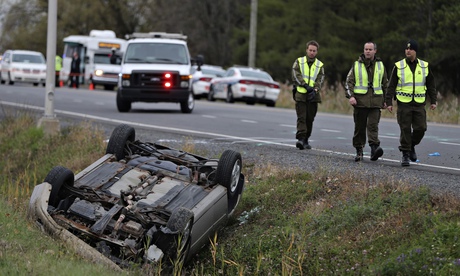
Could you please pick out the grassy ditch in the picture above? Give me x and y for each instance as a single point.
(289, 222)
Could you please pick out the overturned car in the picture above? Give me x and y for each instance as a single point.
(140, 202)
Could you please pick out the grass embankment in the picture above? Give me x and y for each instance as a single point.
(334, 101)
(288, 223)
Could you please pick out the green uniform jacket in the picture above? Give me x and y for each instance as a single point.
(370, 99)
(299, 81)
(430, 86)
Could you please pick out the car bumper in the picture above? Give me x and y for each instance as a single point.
(105, 80)
(200, 88)
(24, 77)
(154, 95)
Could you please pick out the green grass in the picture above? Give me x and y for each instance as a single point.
(288, 223)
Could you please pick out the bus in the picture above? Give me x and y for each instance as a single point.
(86, 46)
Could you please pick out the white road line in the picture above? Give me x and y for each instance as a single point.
(287, 125)
(448, 143)
(103, 119)
(209, 116)
(330, 130)
(390, 137)
(249, 121)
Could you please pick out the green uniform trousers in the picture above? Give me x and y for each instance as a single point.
(412, 123)
(366, 122)
(306, 112)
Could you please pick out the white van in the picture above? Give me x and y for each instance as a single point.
(23, 66)
(98, 41)
(156, 67)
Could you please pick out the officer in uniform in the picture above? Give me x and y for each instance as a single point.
(57, 67)
(308, 76)
(365, 88)
(411, 83)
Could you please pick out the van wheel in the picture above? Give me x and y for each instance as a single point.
(187, 106)
(123, 105)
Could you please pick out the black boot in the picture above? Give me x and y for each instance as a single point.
(405, 159)
(359, 155)
(412, 154)
(305, 144)
(299, 144)
(376, 152)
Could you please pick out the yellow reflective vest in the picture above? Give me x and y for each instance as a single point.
(362, 81)
(309, 74)
(58, 63)
(411, 86)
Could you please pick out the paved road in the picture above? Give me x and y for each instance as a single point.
(256, 125)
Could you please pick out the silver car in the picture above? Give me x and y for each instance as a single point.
(140, 202)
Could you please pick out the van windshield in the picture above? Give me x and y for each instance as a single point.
(156, 53)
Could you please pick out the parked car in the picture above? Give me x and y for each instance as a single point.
(23, 66)
(202, 77)
(245, 84)
(140, 202)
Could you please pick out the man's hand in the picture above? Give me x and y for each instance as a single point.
(433, 106)
(352, 101)
(390, 108)
(308, 87)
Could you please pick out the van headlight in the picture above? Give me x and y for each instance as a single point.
(98, 72)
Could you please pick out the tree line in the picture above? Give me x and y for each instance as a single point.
(219, 30)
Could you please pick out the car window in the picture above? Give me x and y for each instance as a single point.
(28, 58)
(156, 53)
(230, 73)
(104, 59)
(213, 72)
(256, 74)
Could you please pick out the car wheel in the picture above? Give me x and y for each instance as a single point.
(118, 142)
(181, 221)
(228, 175)
(10, 82)
(187, 106)
(123, 105)
(35, 83)
(211, 94)
(230, 98)
(271, 104)
(59, 177)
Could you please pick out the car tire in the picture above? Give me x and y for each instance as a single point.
(123, 105)
(271, 104)
(59, 177)
(229, 98)
(181, 222)
(187, 106)
(228, 175)
(211, 94)
(118, 142)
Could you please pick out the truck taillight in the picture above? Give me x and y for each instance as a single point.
(167, 84)
(168, 75)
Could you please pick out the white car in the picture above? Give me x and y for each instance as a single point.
(201, 79)
(23, 66)
(245, 84)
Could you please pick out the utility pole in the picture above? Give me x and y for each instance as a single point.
(253, 35)
(49, 122)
